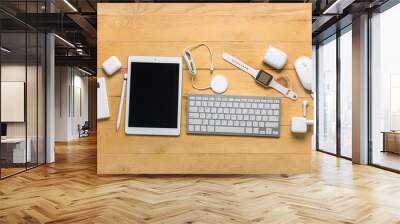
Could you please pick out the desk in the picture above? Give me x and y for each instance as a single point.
(391, 141)
(18, 150)
(245, 31)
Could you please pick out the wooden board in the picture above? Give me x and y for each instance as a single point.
(244, 30)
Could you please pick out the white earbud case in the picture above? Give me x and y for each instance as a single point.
(275, 58)
(111, 65)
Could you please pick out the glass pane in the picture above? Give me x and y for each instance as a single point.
(13, 86)
(385, 84)
(327, 96)
(31, 100)
(41, 98)
(346, 94)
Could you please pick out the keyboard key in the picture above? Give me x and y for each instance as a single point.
(195, 121)
(193, 109)
(249, 130)
(203, 128)
(210, 128)
(235, 130)
(193, 115)
(190, 127)
(255, 130)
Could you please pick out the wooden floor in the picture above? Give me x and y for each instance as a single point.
(69, 191)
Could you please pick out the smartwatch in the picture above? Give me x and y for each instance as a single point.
(262, 77)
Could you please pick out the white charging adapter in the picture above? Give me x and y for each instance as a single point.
(299, 124)
(111, 65)
(275, 58)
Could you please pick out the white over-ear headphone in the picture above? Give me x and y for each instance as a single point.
(219, 83)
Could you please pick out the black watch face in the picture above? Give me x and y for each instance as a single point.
(264, 78)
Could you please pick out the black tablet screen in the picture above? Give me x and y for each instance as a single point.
(153, 99)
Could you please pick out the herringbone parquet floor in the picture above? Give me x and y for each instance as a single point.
(69, 191)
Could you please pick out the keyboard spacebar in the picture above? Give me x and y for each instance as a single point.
(238, 130)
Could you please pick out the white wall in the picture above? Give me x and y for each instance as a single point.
(70, 81)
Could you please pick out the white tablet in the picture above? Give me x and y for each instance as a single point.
(153, 102)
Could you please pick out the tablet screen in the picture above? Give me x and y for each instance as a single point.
(153, 99)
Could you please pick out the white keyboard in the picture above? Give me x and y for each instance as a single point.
(233, 115)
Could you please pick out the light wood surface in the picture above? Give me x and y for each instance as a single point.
(244, 30)
(70, 191)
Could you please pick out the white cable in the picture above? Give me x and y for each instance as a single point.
(211, 64)
(198, 88)
(305, 105)
(209, 50)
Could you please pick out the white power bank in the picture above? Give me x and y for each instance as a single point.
(111, 65)
(102, 99)
(275, 58)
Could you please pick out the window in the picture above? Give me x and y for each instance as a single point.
(327, 96)
(385, 89)
(346, 75)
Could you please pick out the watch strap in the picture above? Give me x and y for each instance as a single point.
(285, 91)
(241, 65)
